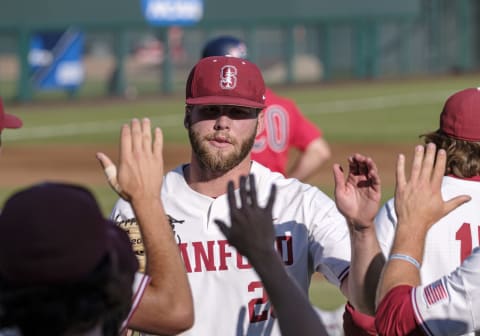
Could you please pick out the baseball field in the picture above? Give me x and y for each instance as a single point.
(378, 118)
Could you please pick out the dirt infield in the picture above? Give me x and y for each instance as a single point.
(22, 165)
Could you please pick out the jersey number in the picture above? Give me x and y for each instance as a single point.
(261, 302)
(276, 129)
(464, 235)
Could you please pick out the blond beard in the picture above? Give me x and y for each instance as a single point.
(217, 161)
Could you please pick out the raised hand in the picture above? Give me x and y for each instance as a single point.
(358, 196)
(418, 201)
(251, 231)
(140, 169)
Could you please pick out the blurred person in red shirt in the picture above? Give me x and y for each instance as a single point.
(284, 125)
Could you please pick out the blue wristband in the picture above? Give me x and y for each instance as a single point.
(406, 258)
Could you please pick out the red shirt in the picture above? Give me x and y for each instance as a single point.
(285, 127)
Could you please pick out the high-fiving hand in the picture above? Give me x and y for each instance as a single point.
(140, 169)
(423, 187)
(358, 196)
(251, 230)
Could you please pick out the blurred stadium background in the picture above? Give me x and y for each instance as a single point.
(372, 74)
(122, 53)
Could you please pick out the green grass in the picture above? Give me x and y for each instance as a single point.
(325, 295)
(94, 123)
(368, 112)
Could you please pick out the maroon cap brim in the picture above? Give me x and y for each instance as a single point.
(224, 100)
(11, 121)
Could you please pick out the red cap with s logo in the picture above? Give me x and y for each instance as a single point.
(225, 80)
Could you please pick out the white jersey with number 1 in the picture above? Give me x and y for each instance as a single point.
(450, 240)
(311, 235)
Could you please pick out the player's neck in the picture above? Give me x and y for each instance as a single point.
(211, 183)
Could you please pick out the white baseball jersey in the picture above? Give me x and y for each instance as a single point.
(451, 305)
(450, 240)
(229, 300)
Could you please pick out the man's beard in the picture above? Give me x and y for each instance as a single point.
(215, 160)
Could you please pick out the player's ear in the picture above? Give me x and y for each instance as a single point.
(260, 123)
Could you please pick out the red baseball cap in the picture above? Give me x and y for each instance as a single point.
(8, 120)
(55, 233)
(225, 80)
(460, 117)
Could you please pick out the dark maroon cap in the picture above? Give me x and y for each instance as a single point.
(55, 233)
(460, 117)
(225, 80)
(8, 120)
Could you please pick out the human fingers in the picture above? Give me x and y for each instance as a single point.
(104, 160)
(362, 163)
(125, 143)
(369, 168)
(158, 142)
(400, 178)
(253, 190)
(370, 164)
(427, 162)
(455, 202)
(232, 202)
(338, 176)
(110, 171)
(417, 163)
(439, 169)
(146, 135)
(137, 135)
(353, 166)
(272, 197)
(243, 191)
(373, 174)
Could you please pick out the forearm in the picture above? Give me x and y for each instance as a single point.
(310, 160)
(295, 314)
(409, 242)
(365, 269)
(167, 304)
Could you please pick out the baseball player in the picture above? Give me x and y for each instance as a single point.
(419, 204)
(62, 274)
(252, 233)
(224, 103)
(162, 302)
(452, 240)
(448, 305)
(284, 125)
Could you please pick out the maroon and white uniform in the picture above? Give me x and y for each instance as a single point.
(447, 306)
(449, 242)
(284, 127)
(228, 296)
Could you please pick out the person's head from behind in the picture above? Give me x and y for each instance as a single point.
(224, 98)
(225, 45)
(459, 133)
(7, 120)
(64, 268)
